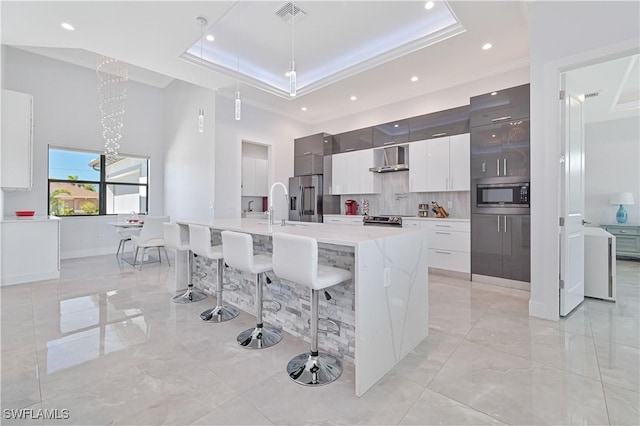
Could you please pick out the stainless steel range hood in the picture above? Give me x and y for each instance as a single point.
(391, 159)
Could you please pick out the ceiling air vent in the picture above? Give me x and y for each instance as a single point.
(288, 12)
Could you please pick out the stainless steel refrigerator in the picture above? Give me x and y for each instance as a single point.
(305, 198)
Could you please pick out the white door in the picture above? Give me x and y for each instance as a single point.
(572, 204)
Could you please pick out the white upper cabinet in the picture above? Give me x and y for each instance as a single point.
(440, 164)
(351, 175)
(418, 166)
(17, 140)
(459, 162)
(255, 177)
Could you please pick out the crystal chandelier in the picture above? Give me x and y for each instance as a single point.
(112, 90)
(238, 101)
(292, 69)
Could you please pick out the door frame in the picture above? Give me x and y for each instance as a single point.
(545, 281)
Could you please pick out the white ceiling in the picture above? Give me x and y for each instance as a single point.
(152, 36)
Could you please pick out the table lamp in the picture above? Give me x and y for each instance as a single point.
(621, 199)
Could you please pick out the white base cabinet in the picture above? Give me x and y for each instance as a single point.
(17, 141)
(30, 249)
(354, 220)
(448, 242)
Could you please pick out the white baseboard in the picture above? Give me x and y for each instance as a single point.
(537, 309)
(27, 278)
(74, 254)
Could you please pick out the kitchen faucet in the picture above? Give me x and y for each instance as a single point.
(286, 197)
(249, 209)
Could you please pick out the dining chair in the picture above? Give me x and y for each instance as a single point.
(151, 235)
(125, 234)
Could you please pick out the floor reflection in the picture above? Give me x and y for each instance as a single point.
(93, 326)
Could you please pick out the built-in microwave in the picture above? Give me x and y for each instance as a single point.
(501, 198)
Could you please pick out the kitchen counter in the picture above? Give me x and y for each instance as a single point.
(382, 311)
(30, 249)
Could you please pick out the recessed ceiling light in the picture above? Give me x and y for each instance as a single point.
(210, 37)
(494, 93)
(429, 5)
(493, 136)
(67, 26)
(303, 108)
(414, 78)
(487, 46)
(396, 125)
(353, 98)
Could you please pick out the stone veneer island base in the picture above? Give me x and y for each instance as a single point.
(382, 312)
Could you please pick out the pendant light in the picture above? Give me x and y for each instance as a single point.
(202, 22)
(238, 102)
(292, 69)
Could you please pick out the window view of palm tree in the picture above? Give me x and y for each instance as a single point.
(81, 184)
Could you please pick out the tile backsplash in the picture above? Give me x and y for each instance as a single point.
(395, 198)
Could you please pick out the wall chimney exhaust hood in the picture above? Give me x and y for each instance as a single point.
(391, 159)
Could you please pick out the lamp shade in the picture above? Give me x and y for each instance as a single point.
(625, 198)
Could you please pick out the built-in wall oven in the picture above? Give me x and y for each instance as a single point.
(500, 197)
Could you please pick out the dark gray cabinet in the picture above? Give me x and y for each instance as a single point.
(309, 152)
(501, 246)
(454, 121)
(354, 140)
(391, 133)
(500, 106)
(501, 149)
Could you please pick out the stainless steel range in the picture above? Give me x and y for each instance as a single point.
(382, 221)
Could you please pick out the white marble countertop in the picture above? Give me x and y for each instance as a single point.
(451, 219)
(323, 232)
(14, 219)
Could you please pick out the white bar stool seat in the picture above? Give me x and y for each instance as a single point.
(177, 239)
(200, 240)
(295, 258)
(238, 253)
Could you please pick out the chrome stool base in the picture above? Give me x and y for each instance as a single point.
(259, 337)
(314, 370)
(189, 296)
(219, 314)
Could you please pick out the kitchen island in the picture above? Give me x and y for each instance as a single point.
(382, 312)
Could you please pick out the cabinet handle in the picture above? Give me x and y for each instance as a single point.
(443, 252)
(443, 226)
(307, 153)
(389, 143)
(498, 167)
(622, 231)
(610, 292)
(505, 167)
(444, 233)
(349, 149)
(505, 223)
(506, 117)
(484, 167)
(498, 223)
(439, 134)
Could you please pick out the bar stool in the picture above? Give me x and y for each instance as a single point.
(176, 239)
(200, 238)
(238, 253)
(295, 258)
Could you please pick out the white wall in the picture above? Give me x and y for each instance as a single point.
(564, 35)
(65, 99)
(189, 154)
(612, 164)
(437, 101)
(258, 126)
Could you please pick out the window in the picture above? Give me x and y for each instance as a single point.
(82, 184)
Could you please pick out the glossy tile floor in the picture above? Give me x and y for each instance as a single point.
(105, 343)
